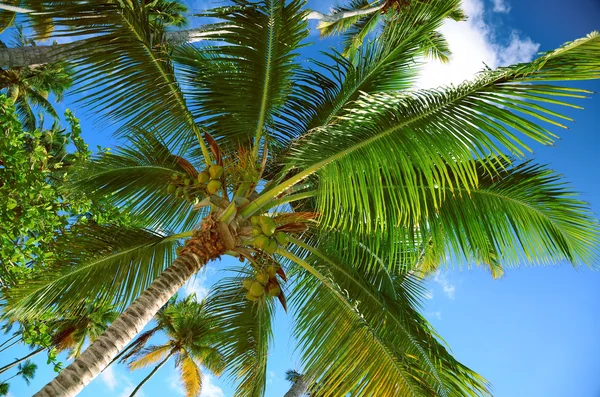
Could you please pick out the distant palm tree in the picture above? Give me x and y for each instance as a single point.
(26, 370)
(299, 384)
(71, 333)
(192, 340)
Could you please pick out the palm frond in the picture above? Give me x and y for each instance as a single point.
(238, 87)
(116, 264)
(123, 66)
(428, 138)
(150, 355)
(136, 177)
(358, 339)
(190, 375)
(246, 328)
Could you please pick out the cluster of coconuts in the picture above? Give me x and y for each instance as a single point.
(185, 186)
(264, 282)
(265, 236)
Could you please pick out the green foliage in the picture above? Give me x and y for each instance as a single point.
(37, 205)
(372, 184)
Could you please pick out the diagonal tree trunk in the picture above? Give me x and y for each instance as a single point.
(147, 378)
(39, 55)
(298, 389)
(204, 246)
(33, 353)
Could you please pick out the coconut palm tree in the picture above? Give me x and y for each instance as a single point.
(192, 341)
(26, 370)
(72, 332)
(299, 384)
(336, 186)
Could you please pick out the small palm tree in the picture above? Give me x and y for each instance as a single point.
(71, 333)
(299, 384)
(334, 183)
(192, 341)
(26, 370)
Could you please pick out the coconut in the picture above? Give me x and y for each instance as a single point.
(251, 297)
(247, 283)
(257, 289)
(213, 186)
(261, 242)
(203, 177)
(174, 176)
(267, 224)
(272, 270)
(171, 189)
(215, 171)
(272, 247)
(257, 231)
(255, 221)
(282, 238)
(179, 192)
(187, 181)
(262, 278)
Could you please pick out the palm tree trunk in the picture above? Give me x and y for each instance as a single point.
(39, 55)
(206, 245)
(33, 353)
(10, 339)
(147, 378)
(299, 388)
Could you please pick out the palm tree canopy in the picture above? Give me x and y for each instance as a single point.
(334, 181)
(193, 340)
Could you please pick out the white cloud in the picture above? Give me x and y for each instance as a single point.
(197, 285)
(209, 389)
(272, 377)
(518, 50)
(112, 379)
(473, 45)
(109, 378)
(501, 6)
(447, 286)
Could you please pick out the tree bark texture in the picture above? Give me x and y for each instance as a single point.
(298, 389)
(205, 245)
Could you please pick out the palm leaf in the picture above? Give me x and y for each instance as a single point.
(434, 135)
(246, 328)
(150, 355)
(136, 177)
(241, 90)
(115, 263)
(357, 338)
(190, 375)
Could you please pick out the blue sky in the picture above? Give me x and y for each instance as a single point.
(534, 333)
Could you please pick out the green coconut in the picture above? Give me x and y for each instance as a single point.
(247, 283)
(203, 177)
(261, 242)
(213, 186)
(274, 289)
(262, 278)
(282, 238)
(257, 289)
(251, 297)
(215, 171)
(267, 224)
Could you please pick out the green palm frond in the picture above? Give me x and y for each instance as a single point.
(418, 138)
(115, 264)
(246, 328)
(240, 93)
(361, 339)
(123, 66)
(136, 177)
(383, 65)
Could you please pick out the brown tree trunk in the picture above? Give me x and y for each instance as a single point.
(205, 245)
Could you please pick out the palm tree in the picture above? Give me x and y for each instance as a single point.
(28, 86)
(71, 333)
(26, 370)
(192, 341)
(332, 172)
(299, 384)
